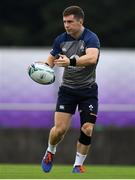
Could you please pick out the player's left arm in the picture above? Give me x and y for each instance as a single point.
(90, 58)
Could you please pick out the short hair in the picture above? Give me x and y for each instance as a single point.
(74, 10)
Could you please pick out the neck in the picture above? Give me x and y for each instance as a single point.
(78, 34)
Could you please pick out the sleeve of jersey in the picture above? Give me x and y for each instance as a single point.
(56, 47)
(93, 42)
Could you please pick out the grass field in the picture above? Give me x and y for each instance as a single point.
(18, 171)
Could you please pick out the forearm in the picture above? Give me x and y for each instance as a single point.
(90, 58)
(49, 61)
(86, 60)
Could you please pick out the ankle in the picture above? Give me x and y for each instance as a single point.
(52, 148)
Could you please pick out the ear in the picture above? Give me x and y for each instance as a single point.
(81, 21)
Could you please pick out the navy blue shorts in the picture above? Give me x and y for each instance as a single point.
(85, 99)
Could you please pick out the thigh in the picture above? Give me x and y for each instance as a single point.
(63, 120)
(88, 106)
(67, 101)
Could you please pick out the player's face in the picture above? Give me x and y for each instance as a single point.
(72, 25)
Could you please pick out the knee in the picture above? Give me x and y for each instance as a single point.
(87, 128)
(86, 133)
(60, 131)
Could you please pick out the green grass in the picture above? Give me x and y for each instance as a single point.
(18, 171)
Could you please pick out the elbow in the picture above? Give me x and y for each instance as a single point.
(93, 62)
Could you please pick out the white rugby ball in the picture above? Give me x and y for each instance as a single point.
(41, 73)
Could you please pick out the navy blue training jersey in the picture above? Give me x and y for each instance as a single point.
(76, 77)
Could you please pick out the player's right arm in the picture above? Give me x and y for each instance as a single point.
(49, 61)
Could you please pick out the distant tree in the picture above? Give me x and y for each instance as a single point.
(37, 22)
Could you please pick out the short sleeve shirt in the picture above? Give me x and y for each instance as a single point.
(74, 76)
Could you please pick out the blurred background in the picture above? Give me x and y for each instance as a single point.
(27, 30)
